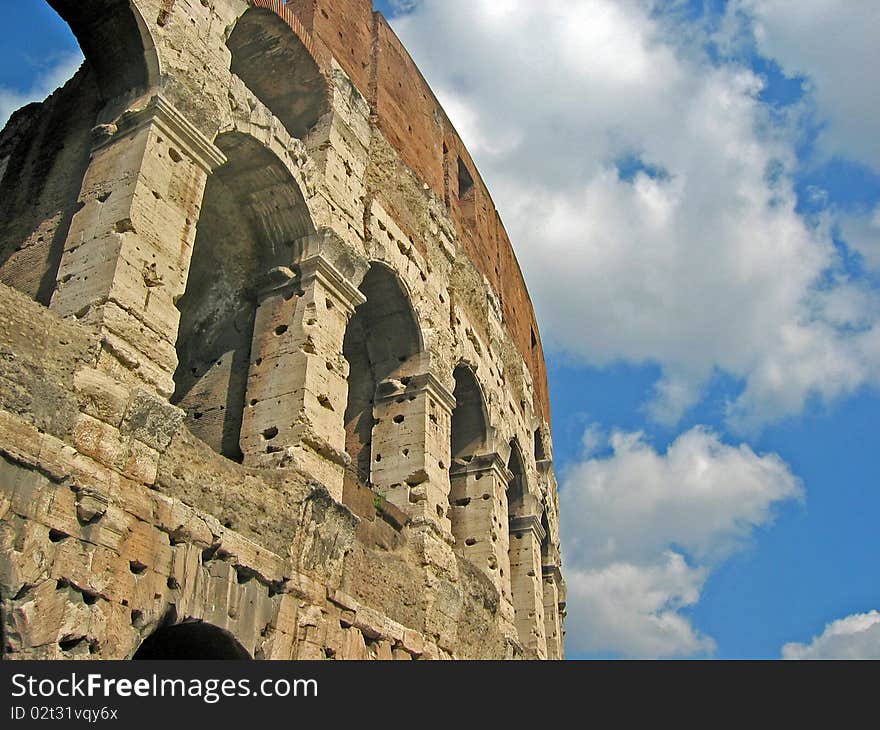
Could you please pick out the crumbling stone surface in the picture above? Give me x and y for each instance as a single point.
(270, 382)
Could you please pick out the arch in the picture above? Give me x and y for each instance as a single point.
(116, 43)
(298, 93)
(469, 433)
(516, 487)
(252, 213)
(546, 544)
(382, 339)
(191, 640)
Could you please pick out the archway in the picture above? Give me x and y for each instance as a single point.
(298, 93)
(382, 340)
(469, 422)
(516, 487)
(252, 213)
(191, 640)
(116, 43)
(471, 519)
(46, 149)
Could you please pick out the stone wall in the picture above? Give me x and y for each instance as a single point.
(288, 379)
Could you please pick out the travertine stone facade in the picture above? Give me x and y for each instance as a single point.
(271, 385)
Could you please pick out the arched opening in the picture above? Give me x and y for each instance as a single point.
(191, 640)
(297, 94)
(470, 518)
(469, 423)
(45, 148)
(516, 487)
(116, 43)
(546, 555)
(252, 213)
(381, 341)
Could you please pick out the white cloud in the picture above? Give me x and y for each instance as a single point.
(862, 233)
(707, 267)
(45, 83)
(835, 46)
(853, 637)
(642, 530)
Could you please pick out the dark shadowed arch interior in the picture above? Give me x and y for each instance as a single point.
(251, 214)
(296, 92)
(382, 336)
(516, 485)
(469, 428)
(115, 42)
(191, 640)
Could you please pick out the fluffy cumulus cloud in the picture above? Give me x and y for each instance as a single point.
(644, 529)
(649, 192)
(55, 75)
(853, 637)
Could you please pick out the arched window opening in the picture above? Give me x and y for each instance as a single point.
(191, 640)
(297, 94)
(381, 341)
(546, 546)
(45, 148)
(116, 43)
(469, 429)
(516, 485)
(471, 517)
(251, 215)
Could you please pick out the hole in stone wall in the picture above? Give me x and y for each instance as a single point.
(57, 535)
(137, 567)
(281, 329)
(68, 644)
(270, 433)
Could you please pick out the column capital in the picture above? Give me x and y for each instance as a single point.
(528, 523)
(320, 270)
(553, 572)
(165, 116)
(396, 386)
(483, 464)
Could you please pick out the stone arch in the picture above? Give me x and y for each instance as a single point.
(517, 487)
(471, 517)
(252, 214)
(45, 150)
(383, 343)
(191, 640)
(470, 422)
(269, 34)
(546, 541)
(116, 43)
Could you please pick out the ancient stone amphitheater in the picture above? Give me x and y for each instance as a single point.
(271, 384)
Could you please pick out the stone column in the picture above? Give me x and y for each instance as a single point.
(127, 253)
(412, 418)
(478, 509)
(552, 619)
(526, 535)
(297, 383)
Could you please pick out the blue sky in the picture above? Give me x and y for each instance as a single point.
(693, 191)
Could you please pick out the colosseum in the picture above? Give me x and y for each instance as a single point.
(271, 384)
